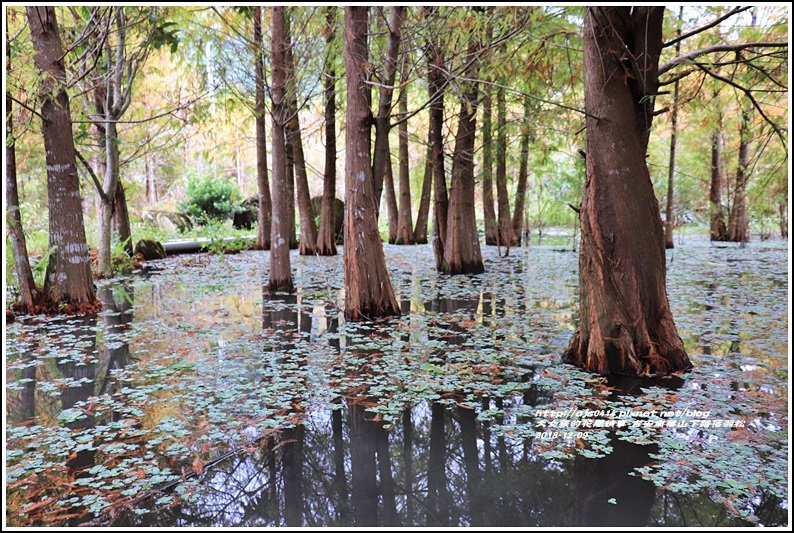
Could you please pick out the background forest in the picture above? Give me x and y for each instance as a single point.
(186, 132)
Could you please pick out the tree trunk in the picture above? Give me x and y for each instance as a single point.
(151, 186)
(391, 199)
(121, 219)
(420, 229)
(28, 293)
(783, 217)
(738, 230)
(669, 218)
(669, 222)
(69, 279)
(262, 181)
(290, 192)
(462, 245)
(308, 227)
(436, 87)
(505, 235)
(625, 323)
(280, 273)
(719, 232)
(326, 238)
(381, 155)
(109, 186)
(405, 234)
(523, 171)
(368, 290)
(488, 211)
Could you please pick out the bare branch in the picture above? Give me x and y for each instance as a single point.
(717, 48)
(750, 97)
(713, 23)
(25, 106)
(97, 185)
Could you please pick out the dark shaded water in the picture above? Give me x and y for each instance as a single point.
(194, 399)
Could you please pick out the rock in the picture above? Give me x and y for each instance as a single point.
(248, 217)
(149, 249)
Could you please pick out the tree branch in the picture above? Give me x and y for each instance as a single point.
(717, 48)
(729, 14)
(25, 106)
(91, 173)
(749, 95)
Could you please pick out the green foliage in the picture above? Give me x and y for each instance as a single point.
(211, 199)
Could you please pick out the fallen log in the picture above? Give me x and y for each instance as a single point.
(201, 245)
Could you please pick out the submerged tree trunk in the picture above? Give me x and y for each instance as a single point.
(523, 171)
(262, 181)
(505, 234)
(69, 280)
(326, 237)
(625, 323)
(405, 234)
(719, 232)
(489, 214)
(28, 293)
(280, 273)
(738, 230)
(420, 229)
(368, 290)
(462, 253)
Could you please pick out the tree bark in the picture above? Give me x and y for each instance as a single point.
(28, 293)
(109, 186)
(783, 218)
(121, 219)
(391, 198)
(326, 238)
(381, 155)
(738, 230)
(151, 186)
(625, 323)
(462, 253)
(405, 234)
(69, 280)
(669, 217)
(262, 180)
(523, 171)
(436, 87)
(280, 273)
(719, 232)
(368, 290)
(308, 227)
(290, 193)
(488, 211)
(505, 234)
(420, 229)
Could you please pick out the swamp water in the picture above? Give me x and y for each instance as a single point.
(196, 399)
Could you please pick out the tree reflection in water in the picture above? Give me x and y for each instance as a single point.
(436, 465)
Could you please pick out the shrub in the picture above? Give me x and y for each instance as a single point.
(211, 199)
